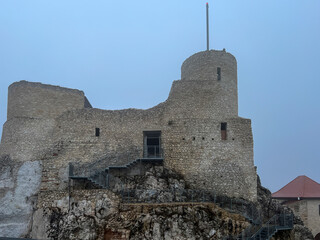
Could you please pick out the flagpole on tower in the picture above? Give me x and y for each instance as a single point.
(207, 27)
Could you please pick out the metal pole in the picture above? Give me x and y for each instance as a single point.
(207, 27)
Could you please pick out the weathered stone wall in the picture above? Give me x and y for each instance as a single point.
(308, 210)
(36, 100)
(195, 149)
(200, 71)
(192, 147)
(314, 216)
(26, 139)
(120, 140)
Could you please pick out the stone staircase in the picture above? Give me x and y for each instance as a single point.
(100, 178)
(278, 222)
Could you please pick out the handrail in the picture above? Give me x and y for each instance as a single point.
(262, 227)
(88, 169)
(155, 196)
(100, 177)
(277, 222)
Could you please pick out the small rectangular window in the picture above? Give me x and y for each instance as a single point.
(223, 131)
(97, 132)
(219, 73)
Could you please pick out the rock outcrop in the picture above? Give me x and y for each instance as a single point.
(19, 184)
(156, 211)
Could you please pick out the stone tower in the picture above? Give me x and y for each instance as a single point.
(213, 146)
(208, 86)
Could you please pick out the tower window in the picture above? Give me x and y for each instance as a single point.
(97, 132)
(219, 73)
(223, 131)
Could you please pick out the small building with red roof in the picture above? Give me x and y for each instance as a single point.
(302, 195)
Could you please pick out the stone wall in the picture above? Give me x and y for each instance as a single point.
(314, 216)
(309, 211)
(201, 70)
(36, 100)
(26, 139)
(192, 147)
(195, 149)
(120, 140)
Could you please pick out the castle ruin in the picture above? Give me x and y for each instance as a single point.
(196, 131)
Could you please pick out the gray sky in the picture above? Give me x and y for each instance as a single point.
(126, 54)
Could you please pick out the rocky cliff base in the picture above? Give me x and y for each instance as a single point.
(103, 214)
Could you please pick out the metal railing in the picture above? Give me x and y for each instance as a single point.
(265, 231)
(277, 222)
(100, 177)
(102, 163)
(153, 151)
(174, 195)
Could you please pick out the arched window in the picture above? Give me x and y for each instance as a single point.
(317, 236)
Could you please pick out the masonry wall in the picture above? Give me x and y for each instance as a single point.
(308, 210)
(120, 140)
(195, 149)
(32, 109)
(199, 76)
(26, 138)
(314, 216)
(36, 100)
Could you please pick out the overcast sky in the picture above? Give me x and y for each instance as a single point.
(125, 54)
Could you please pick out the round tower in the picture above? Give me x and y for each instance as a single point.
(208, 86)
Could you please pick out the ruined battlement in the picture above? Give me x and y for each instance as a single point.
(37, 100)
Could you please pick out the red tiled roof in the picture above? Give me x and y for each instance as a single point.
(301, 186)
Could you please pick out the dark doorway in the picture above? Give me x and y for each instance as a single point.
(152, 144)
(317, 237)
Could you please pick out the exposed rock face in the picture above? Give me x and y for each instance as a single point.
(90, 219)
(100, 214)
(19, 185)
(178, 221)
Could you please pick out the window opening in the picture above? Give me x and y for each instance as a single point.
(223, 131)
(152, 144)
(97, 132)
(219, 73)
